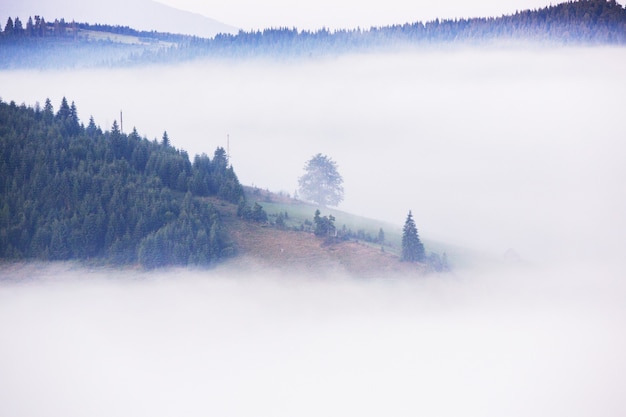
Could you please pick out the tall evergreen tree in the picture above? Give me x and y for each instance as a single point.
(40, 26)
(73, 123)
(18, 28)
(8, 28)
(64, 110)
(412, 247)
(92, 129)
(115, 128)
(220, 159)
(30, 27)
(48, 111)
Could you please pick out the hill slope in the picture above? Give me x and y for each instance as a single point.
(74, 192)
(269, 247)
(70, 192)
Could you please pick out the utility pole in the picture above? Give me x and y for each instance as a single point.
(228, 149)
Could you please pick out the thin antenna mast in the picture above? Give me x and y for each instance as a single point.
(228, 148)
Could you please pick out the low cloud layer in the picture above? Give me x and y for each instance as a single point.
(490, 148)
(513, 342)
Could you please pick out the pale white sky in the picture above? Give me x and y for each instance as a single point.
(313, 14)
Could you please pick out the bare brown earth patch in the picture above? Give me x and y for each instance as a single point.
(288, 250)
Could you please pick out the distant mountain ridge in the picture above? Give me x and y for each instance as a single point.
(145, 15)
(65, 43)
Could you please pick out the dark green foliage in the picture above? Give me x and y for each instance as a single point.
(69, 192)
(258, 214)
(170, 165)
(195, 237)
(347, 234)
(412, 247)
(215, 177)
(92, 130)
(166, 140)
(255, 213)
(324, 226)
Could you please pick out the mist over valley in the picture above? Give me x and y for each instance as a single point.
(490, 148)
(266, 342)
(509, 156)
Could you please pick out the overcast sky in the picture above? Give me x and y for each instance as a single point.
(312, 14)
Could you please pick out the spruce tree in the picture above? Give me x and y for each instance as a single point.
(381, 236)
(48, 111)
(64, 110)
(8, 28)
(412, 248)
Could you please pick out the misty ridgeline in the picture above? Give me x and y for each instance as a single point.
(83, 193)
(37, 43)
(178, 216)
(498, 145)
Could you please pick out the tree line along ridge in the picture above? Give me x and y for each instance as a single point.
(69, 191)
(75, 192)
(582, 21)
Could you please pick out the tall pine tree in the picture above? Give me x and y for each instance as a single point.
(412, 247)
(166, 140)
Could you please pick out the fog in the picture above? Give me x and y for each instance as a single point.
(231, 342)
(491, 148)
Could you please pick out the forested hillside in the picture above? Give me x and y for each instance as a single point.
(587, 22)
(38, 43)
(73, 192)
(60, 44)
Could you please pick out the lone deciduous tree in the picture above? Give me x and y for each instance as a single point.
(412, 247)
(321, 183)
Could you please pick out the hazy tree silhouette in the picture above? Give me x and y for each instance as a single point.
(412, 247)
(321, 182)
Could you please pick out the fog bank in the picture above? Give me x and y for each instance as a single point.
(224, 342)
(491, 148)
